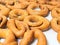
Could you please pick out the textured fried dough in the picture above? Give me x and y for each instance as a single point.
(16, 27)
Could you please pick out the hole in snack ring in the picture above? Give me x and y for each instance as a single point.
(12, 4)
(2, 40)
(36, 8)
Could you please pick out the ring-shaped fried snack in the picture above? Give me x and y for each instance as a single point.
(18, 14)
(3, 20)
(16, 27)
(31, 9)
(51, 4)
(55, 24)
(29, 35)
(55, 12)
(4, 10)
(35, 21)
(17, 5)
(7, 1)
(8, 36)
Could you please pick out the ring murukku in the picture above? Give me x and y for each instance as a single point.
(51, 4)
(7, 1)
(29, 35)
(18, 14)
(17, 5)
(32, 9)
(16, 27)
(3, 20)
(36, 21)
(55, 24)
(55, 12)
(8, 36)
(4, 10)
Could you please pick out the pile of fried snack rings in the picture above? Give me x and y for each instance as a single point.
(19, 19)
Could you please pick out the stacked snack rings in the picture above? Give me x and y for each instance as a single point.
(25, 19)
(35, 21)
(52, 4)
(55, 22)
(9, 37)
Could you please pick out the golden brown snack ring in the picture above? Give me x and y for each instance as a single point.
(4, 10)
(16, 27)
(36, 21)
(18, 14)
(8, 36)
(54, 24)
(52, 4)
(55, 12)
(43, 12)
(17, 5)
(7, 1)
(28, 37)
(3, 20)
